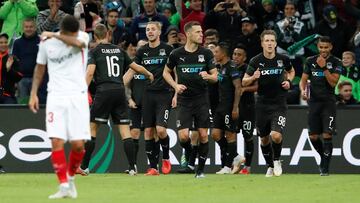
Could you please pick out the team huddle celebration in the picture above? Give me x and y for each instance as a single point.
(215, 86)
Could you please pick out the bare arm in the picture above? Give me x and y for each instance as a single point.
(252, 88)
(69, 40)
(302, 85)
(39, 73)
(248, 80)
(142, 70)
(332, 78)
(237, 96)
(179, 88)
(90, 73)
(212, 77)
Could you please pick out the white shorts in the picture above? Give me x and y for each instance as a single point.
(68, 117)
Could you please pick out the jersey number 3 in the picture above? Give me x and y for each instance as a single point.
(113, 66)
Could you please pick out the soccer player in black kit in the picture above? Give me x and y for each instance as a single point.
(227, 111)
(273, 73)
(157, 97)
(107, 64)
(323, 70)
(194, 68)
(247, 110)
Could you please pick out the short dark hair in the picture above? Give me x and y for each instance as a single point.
(190, 24)
(29, 19)
(240, 46)
(69, 24)
(268, 32)
(344, 83)
(225, 47)
(100, 31)
(130, 41)
(325, 39)
(110, 11)
(211, 32)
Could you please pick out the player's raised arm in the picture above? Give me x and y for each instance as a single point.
(70, 40)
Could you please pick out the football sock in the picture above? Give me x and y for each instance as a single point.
(187, 146)
(136, 147)
(231, 153)
(277, 147)
(165, 146)
(149, 147)
(328, 148)
(249, 151)
(75, 159)
(268, 154)
(318, 145)
(223, 145)
(193, 155)
(203, 152)
(130, 152)
(58, 160)
(156, 152)
(89, 149)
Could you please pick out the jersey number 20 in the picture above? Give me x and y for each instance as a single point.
(113, 66)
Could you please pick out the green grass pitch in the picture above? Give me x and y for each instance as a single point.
(121, 188)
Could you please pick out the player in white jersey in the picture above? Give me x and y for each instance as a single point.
(67, 110)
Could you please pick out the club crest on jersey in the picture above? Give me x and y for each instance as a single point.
(162, 52)
(329, 65)
(201, 58)
(280, 63)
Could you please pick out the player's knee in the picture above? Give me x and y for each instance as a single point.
(183, 136)
(313, 137)
(230, 137)
(327, 136)
(161, 132)
(135, 133)
(216, 135)
(276, 137)
(265, 140)
(148, 133)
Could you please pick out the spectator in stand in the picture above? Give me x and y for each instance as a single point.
(49, 19)
(9, 74)
(139, 22)
(170, 12)
(289, 30)
(195, 15)
(211, 35)
(173, 39)
(350, 73)
(130, 47)
(335, 28)
(86, 11)
(115, 26)
(127, 9)
(13, 12)
(226, 19)
(249, 38)
(270, 15)
(25, 49)
(345, 96)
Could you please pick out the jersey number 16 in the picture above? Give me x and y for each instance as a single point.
(113, 66)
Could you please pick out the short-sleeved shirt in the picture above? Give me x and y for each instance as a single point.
(227, 73)
(272, 74)
(154, 60)
(111, 64)
(247, 97)
(188, 66)
(320, 89)
(66, 65)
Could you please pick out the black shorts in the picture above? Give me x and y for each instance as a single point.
(225, 122)
(247, 119)
(136, 121)
(156, 108)
(110, 102)
(270, 117)
(321, 117)
(195, 110)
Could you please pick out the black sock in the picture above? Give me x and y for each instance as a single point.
(157, 152)
(318, 145)
(165, 146)
(231, 153)
(223, 145)
(249, 151)
(136, 147)
(328, 148)
(277, 147)
(187, 146)
(89, 149)
(193, 155)
(130, 152)
(203, 152)
(268, 154)
(149, 149)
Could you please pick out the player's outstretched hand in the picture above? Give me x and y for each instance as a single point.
(34, 103)
(180, 88)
